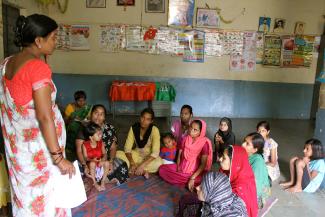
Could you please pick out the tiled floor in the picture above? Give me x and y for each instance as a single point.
(290, 134)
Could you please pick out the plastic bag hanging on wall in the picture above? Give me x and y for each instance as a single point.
(180, 13)
(321, 77)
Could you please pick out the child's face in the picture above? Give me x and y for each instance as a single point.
(223, 126)
(97, 136)
(224, 160)
(81, 102)
(199, 192)
(185, 115)
(218, 137)
(308, 151)
(248, 146)
(264, 132)
(168, 142)
(194, 130)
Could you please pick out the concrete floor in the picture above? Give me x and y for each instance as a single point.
(290, 135)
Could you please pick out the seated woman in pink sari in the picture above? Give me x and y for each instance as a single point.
(194, 158)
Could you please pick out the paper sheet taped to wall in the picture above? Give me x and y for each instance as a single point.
(112, 38)
(246, 61)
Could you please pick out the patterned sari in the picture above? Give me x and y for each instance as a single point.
(74, 127)
(29, 162)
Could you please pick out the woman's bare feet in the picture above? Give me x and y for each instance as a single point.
(102, 186)
(146, 175)
(98, 187)
(286, 184)
(294, 189)
(113, 181)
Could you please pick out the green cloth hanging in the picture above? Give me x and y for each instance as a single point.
(165, 92)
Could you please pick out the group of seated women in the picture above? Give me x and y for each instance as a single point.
(184, 157)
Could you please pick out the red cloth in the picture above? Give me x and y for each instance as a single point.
(93, 153)
(242, 180)
(168, 153)
(33, 75)
(132, 91)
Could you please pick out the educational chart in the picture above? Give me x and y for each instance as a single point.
(259, 47)
(233, 43)
(303, 50)
(247, 61)
(63, 37)
(272, 50)
(79, 38)
(193, 42)
(245, 48)
(213, 43)
(288, 43)
(149, 38)
(134, 38)
(168, 41)
(112, 38)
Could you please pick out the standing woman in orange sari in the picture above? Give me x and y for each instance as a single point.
(32, 126)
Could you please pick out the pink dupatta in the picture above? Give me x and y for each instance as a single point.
(191, 151)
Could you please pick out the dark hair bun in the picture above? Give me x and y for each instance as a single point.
(29, 28)
(20, 24)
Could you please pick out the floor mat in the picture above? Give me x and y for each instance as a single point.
(137, 197)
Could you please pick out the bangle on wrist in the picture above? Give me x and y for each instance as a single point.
(59, 151)
(192, 178)
(58, 160)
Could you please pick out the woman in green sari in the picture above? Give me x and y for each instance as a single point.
(254, 144)
(75, 114)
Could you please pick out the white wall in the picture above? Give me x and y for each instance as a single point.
(127, 63)
(26, 7)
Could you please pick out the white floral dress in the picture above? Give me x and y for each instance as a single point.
(30, 165)
(274, 172)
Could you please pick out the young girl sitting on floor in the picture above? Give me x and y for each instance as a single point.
(253, 145)
(270, 151)
(307, 173)
(224, 136)
(168, 151)
(95, 155)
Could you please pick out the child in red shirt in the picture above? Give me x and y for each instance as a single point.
(95, 155)
(168, 151)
